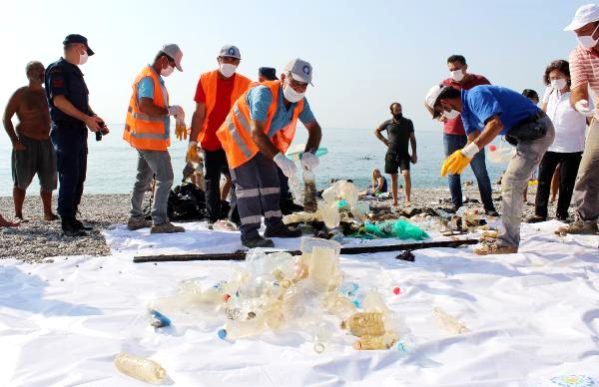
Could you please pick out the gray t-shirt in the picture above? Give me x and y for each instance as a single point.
(398, 133)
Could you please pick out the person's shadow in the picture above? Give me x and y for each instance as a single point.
(22, 291)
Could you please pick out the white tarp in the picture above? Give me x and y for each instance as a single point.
(533, 316)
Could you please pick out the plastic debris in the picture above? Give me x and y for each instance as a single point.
(448, 322)
(140, 368)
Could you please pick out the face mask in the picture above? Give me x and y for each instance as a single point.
(558, 84)
(450, 115)
(227, 69)
(587, 41)
(292, 95)
(457, 75)
(83, 58)
(167, 71)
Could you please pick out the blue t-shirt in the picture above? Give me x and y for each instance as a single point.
(145, 89)
(259, 99)
(483, 102)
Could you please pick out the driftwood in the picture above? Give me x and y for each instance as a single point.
(240, 255)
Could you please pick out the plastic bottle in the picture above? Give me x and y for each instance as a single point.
(330, 215)
(338, 305)
(501, 154)
(324, 268)
(449, 322)
(310, 204)
(140, 368)
(158, 320)
(365, 324)
(368, 342)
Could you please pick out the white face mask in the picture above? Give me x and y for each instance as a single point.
(167, 71)
(450, 115)
(457, 75)
(587, 41)
(83, 58)
(558, 84)
(292, 95)
(227, 69)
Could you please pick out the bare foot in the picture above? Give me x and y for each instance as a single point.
(6, 223)
(407, 203)
(21, 218)
(50, 217)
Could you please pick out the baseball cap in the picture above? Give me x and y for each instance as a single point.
(230, 51)
(174, 52)
(76, 38)
(300, 70)
(432, 96)
(268, 73)
(584, 15)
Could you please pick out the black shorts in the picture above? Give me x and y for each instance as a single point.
(393, 162)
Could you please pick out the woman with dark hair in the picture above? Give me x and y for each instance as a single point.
(568, 145)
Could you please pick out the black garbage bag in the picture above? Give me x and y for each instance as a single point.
(186, 202)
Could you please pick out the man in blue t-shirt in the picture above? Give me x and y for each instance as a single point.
(488, 111)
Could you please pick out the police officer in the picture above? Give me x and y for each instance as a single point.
(71, 114)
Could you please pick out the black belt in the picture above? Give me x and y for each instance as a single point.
(529, 129)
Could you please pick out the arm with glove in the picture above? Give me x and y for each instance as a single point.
(457, 162)
(308, 158)
(180, 129)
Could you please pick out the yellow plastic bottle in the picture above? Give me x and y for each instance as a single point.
(140, 368)
(365, 324)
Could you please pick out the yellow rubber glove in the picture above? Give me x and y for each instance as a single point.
(181, 130)
(192, 153)
(459, 160)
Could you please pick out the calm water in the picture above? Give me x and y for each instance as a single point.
(353, 154)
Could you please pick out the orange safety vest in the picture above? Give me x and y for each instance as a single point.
(208, 81)
(235, 134)
(142, 131)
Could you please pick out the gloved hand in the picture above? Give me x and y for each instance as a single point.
(583, 108)
(192, 152)
(181, 130)
(287, 166)
(459, 160)
(309, 161)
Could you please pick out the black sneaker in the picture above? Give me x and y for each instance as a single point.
(81, 226)
(535, 219)
(257, 242)
(283, 232)
(69, 228)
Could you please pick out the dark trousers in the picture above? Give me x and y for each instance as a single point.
(70, 144)
(569, 169)
(215, 163)
(284, 183)
(257, 190)
(454, 142)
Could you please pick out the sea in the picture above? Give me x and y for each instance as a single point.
(352, 154)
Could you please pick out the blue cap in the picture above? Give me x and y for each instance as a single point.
(230, 51)
(268, 72)
(76, 38)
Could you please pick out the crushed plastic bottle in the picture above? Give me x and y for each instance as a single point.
(310, 203)
(365, 324)
(158, 320)
(140, 368)
(368, 342)
(449, 322)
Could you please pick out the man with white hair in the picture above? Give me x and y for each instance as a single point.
(488, 111)
(584, 73)
(255, 136)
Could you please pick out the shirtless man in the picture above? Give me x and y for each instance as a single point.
(32, 149)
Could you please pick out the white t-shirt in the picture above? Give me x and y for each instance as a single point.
(569, 125)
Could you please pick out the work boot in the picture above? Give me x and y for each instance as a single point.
(81, 226)
(166, 228)
(282, 232)
(70, 228)
(535, 219)
(578, 227)
(493, 248)
(257, 241)
(135, 224)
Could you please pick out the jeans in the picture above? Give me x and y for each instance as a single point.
(149, 164)
(515, 179)
(454, 142)
(569, 168)
(70, 144)
(586, 190)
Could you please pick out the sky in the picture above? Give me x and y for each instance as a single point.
(365, 54)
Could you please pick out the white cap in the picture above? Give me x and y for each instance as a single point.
(300, 70)
(175, 53)
(431, 98)
(584, 15)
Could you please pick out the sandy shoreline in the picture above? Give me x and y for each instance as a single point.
(37, 239)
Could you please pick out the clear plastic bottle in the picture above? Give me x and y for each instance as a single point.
(368, 342)
(449, 322)
(339, 305)
(310, 204)
(365, 324)
(140, 368)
